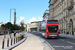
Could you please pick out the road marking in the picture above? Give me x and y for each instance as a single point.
(61, 39)
(71, 43)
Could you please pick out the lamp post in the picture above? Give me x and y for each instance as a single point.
(10, 13)
(10, 18)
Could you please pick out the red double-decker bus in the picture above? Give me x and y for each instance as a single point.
(50, 29)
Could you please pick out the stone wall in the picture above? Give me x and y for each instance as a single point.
(64, 12)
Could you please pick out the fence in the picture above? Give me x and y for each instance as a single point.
(9, 41)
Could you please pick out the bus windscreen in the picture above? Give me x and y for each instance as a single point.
(52, 21)
(52, 28)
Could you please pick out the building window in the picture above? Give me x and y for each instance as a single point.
(65, 4)
(62, 7)
(71, 11)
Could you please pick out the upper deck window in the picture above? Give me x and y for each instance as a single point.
(52, 21)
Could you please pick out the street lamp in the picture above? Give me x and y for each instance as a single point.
(10, 13)
(10, 19)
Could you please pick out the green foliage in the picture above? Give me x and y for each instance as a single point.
(7, 25)
(22, 26)
(13, 27)
(22, 23)
(3, 25)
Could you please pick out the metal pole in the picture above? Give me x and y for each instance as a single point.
(10, 22)
(10, 15)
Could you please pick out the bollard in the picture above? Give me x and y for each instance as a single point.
(3, 44)
(22, 36)
(14, 40)
(18, 38)
(10, 35)
(11, 41)
(8, 42)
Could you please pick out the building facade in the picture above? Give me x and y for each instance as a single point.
(28, 27)
(64, 12)
(46, 15)
(33, 26)
(3, 30)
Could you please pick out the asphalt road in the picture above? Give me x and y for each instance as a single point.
(63, 43)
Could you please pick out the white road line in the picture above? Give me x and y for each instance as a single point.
(61, 39)
(71, 43)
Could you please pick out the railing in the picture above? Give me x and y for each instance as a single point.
(8, 42)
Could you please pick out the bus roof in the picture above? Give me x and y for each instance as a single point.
(53, 19)
(50, 19)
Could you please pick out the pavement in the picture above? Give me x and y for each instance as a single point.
(31, 43)
(67, 36)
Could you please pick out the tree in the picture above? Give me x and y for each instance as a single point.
(12, 27)
(3, 25)
(15, 27)
(22, 26)
(7, 25)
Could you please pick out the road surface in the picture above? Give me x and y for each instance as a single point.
(63, 43)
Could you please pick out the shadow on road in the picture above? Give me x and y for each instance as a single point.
(39, 34)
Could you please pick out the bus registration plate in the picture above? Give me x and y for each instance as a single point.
(53, 37)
